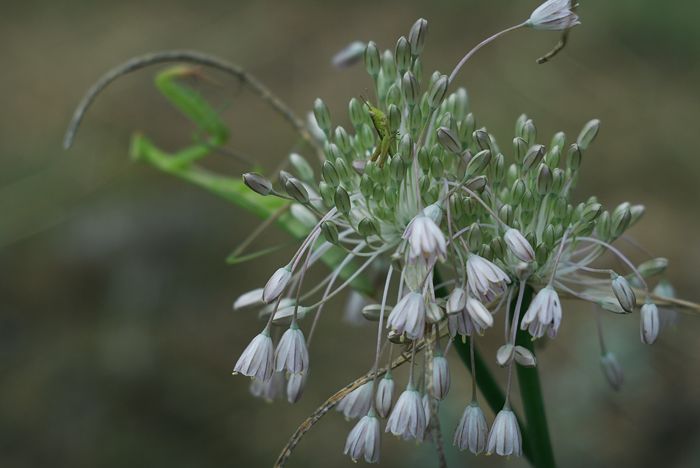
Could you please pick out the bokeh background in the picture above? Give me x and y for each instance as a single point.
(116, 331)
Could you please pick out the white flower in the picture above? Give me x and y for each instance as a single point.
(479, 314)
(484, 278)
(256, 360)
(649, 324)
(407, 420)
(292, 354)
(457, 301)
(520, 246)
(612, 370)
(385, 395)
(276, 284)
(248, 299)
(461, 324)
(441, 377)
(364, 440)
(425, 238)
(544, 314)
(504, 438)
(268, 390)
(409, 316)
(554, 15)
(295, 386)
(624, 293)
(472, 430)
(357, 402)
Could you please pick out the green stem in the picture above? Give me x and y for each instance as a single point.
(489, 387)
(537, 439)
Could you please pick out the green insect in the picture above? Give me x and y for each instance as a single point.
(387, 138)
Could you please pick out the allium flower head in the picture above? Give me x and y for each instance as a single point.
(364, 440)
(555, 15)
(504, 438)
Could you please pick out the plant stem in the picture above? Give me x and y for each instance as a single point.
(537, 439)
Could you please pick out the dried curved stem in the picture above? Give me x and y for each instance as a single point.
(333, 400)
(188, 56)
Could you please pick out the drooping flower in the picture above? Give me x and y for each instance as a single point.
(257, 358)
(407, 420)
(554, 15)
(357, 402)
(295, 386)
(479, 314)
(624, 293)
(484, 277)
(292, 354)
(408, 316)
(276, 284)
(441, 376)
(425, 238)
(364, 440)
(472, 430)
(504, 437)
(268, 390)
(385, 395)
(544, 314)
(520, 246)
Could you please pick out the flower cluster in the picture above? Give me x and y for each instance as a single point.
(464, 228)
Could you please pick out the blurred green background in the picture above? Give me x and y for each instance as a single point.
(116, 331)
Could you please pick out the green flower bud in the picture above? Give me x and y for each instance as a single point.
(558, 141)
(342, 140)
(497, 168)
(482, 138)
(397, 168)
(558, 180)
(356, 112)
(553, 157)
(620, 220)
(449, 140)
(637, 211)
(529, 132)
(478, 163)
(437, 169)
(517, 192)
(560, 207)
(548, 237)
(544, 179)
(519, 149)
(403, 55)
(519, 123)
(367, 136)
(372, 59)
(533, 157)
(410, 87)
(257, 183)
(394, 118)
(473, 237)
(322, 115)
(342, 200)
(541, 253)
(653, 267)
(573, 157)
(498, 247)
(486, 252)
(295, 188)
(330, 174)
(416, 37)
(424, 158)
(302, 167)
(284, 177)
(367, 227)
(476, 184)
(327, 193)
(406, 147)
(436, 92)
(366, 186)
(505, 213)
(603, 225)
(388, 74)
(591, 212)
(588, 134)
(329, 231)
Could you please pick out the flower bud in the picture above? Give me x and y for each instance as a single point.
(519, 148)
(295, 386)
(322, 115)
(573, 157)
(306, 173)
(653, 267)
(372, 59)
(456, 301)
(478, 163)
(388, 66)
(257, 183)
(436, 92)
(433, 313)
(356, 112)
(295, 188)
(544, 180)
(449, 140)
(330, 174)
(441, 376)
(330, 231)
(612, 370)
(649, 325)
(529, 132)
(636, 211)
(349, 55)
(385, 395)
(367, 227)
(623, 292)
(416, 37)
(588, 134)
(482, 138)
(327, 193)
(533, 157)
(620, 220)
(524, 357)
(342, 200)
(520, 246)
(276, 284)
(505, 354)
(403, 55)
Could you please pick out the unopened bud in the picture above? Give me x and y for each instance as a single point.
(403, 55)
(533, 157)
(524, 357)
(436, 92)
(322, 115)
(519, 245)
(478, 163)
(295, 188)
(257, 183)
(302, 167)
(372, 59)
(623, 292)
(573, 157)
(505, 354)
(544, 180)
(276, 284)
(349, 55)
(342, 200)
(329, 231)
(653, 267)
(519, 148)
(416, 37)
(449, 140)
(612, 370)
(649, 323)
(410, 87)
(588, 134)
